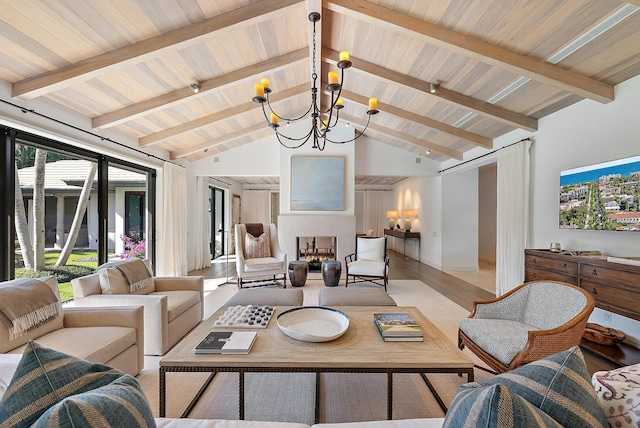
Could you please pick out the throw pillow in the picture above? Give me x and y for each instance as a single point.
(559, 385)
(45, 378)
(3, 387)
(256, 247)
(494, 406)
(619, 394)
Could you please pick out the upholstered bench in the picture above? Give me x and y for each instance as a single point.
(356, 296)
(267, 296)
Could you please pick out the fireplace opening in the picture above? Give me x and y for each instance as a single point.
(315, 250)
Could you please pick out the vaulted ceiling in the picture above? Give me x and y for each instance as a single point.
(499, 65)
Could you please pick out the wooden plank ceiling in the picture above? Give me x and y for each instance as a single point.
(499, 65)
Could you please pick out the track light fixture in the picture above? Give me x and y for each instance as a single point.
(194, 87)
(433, 87)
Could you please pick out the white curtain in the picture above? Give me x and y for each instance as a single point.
(512, 215)
(172, 251)
(199, 244)
(376, 204)
(255, 206)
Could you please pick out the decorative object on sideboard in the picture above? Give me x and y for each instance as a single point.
(322, 121)
(602, 335)
(555, 247)
(392, 216)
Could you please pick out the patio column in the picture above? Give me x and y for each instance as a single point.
(60, 235)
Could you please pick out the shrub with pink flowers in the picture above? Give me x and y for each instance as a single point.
(134, 245)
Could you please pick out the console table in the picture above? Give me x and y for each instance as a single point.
(404, 235)
(614, 286)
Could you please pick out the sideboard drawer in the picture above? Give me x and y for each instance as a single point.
(569, 268)
(608, 276)
(533, 274)
(619, 300)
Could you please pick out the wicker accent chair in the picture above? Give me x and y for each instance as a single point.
(370, 262)
(532, 321)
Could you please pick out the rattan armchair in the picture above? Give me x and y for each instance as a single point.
(532, 321)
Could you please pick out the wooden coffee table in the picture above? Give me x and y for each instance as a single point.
(359, 350)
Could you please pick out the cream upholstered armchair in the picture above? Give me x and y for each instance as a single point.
(258, 254)
(532, 321)
(172, 305)
(370, 262)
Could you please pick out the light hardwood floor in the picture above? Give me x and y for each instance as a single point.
(460, 291)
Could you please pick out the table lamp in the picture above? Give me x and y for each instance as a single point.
(408, 215)
(392, 216)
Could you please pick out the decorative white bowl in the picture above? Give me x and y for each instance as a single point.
(313, 323)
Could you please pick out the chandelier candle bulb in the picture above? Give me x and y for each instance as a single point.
(373, 104)
(339, 104)
(260, 90)
(265, 82)
(333, 77)
(274, 118)
(344, 56)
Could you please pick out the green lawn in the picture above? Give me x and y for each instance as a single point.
(80, 263)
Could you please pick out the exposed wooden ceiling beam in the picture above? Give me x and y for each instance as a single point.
(166, 100)
(406, 137)
(481, 107)
(56, 79)
(476, 139)
(204, 121)
(533, 68)
(258, 128)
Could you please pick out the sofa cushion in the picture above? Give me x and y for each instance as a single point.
(7, 344)
(97, 344)
(256, 247)
(354, 296)
(619, 394)
(125, 276)
(502, 339)
(266, 297)
(50, 388)
(178, 301)
(3, 387)
(559, 385)
(494, 406)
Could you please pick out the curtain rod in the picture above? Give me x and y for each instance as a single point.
(486, 154)
(26, 110)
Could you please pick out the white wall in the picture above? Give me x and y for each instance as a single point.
(460, 221)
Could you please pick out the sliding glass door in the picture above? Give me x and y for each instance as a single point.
(218, 240)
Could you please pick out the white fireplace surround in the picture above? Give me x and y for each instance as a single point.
(343, 227)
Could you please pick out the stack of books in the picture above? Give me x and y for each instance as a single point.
(227, 342)
(398, 327)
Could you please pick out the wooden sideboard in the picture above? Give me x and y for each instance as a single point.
(404, 235)
(614, 286)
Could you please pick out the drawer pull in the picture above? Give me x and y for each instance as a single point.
(535, 261)
(594, 273)
(564, 266)
(594, 291)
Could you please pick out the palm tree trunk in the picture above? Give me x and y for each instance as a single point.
(83, 200)
(38, 209)
(22, 226)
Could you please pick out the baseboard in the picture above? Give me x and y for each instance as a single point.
(487, 261)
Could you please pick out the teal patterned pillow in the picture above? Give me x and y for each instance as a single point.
(494, 406)
(70, 391)
(559, 385)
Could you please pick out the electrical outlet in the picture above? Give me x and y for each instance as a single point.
(606, 316)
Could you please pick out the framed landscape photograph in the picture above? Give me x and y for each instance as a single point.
(317, 183)
(603, 196)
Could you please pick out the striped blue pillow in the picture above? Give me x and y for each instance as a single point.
(494, 406)
(50, 388)
(559, 385)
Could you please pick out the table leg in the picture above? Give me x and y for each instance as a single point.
(163, 393)
(317, 411)
(241, 394)
(389, 395)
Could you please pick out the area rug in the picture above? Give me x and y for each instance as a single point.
(291, 397)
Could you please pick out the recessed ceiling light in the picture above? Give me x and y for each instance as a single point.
(194, 87)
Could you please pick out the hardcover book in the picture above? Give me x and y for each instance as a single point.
(399, 324)
(227, 342)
